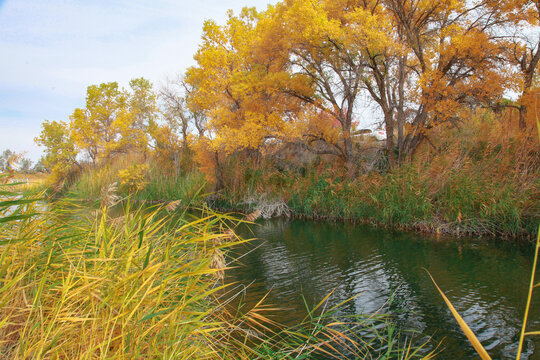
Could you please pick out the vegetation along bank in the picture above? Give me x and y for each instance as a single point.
(278, 123)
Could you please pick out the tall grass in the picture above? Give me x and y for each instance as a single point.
(91, 286)
(157, 184)
(132, 284)
(481, 178)
(166, 187)
(482, 352)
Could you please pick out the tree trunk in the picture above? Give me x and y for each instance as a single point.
(411, 144)
(185, 138)
(400, 106)
(389, 125)
(349, 156)
(220, 184)
(522, 114)
(529, 73)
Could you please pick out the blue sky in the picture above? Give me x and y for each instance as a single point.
(50, 51)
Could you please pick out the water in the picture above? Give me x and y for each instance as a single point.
(486, 281)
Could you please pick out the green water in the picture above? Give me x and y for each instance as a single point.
(486, 280)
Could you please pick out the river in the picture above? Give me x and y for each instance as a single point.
(487, 280)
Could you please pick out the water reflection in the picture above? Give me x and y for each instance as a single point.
(487, 282)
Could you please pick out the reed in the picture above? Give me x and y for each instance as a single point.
(135, 283)
(482, 352)
(98, 286)
(155, 184)
(181, 186)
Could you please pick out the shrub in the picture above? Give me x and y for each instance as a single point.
(133, 178)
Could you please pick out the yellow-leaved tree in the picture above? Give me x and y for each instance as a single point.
(520, 24)
(235, 85)
(60, 151)
(421, 62)
(322, 46)
(114, 120)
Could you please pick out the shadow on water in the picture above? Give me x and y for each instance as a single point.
(486, 281)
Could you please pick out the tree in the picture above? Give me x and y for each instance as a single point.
(4, 159)
(114, 120)
(323, 43)
(420, 61)
(14, 162)
(523, 49)
(39, 167)
(10, 161)
(178, 115)
(447, 57)
(25, 165)
(141, 112)
(94, 127)
(235, 86)
(166, 146)
(60, 153)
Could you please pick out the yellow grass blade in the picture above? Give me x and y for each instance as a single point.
(538, 124)
(466, 329)
(529, 296)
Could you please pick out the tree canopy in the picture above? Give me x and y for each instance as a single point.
(301, 70)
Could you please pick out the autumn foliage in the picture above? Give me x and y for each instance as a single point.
(296, 79)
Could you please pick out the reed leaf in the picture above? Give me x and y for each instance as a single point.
(529, 296)
(16, 217)
(464, 327)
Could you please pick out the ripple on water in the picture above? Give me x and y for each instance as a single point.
(298, 260)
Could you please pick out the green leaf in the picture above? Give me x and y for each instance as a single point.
(8, 203)
(16, 217)
(147, 258)
(141, 232)
(153, 315)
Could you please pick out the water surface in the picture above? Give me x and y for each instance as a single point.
(487, 281)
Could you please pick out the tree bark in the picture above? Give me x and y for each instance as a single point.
(220, 184)
(529, 71)
(400, 105)
(522, 114)
(389, 125)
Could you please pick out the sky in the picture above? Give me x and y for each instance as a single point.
(51, 51)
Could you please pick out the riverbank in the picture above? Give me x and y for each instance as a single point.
(481, 178)
(407, 199)
(404, 199)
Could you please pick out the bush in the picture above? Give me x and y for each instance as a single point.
(133, 178)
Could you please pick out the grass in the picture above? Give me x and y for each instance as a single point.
(464, 202)
(481, 178)
(155, 185)
(180, 186)
(25, 181)
(482, 352)
(96, 286)
(77, 283)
